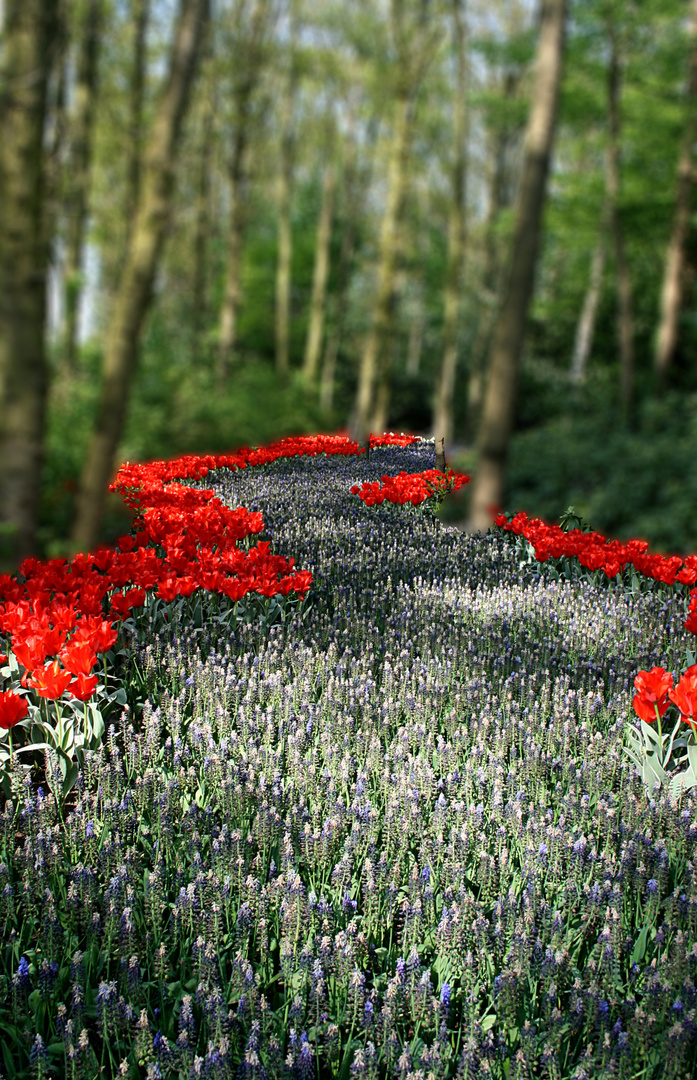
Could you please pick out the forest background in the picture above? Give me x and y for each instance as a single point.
(214, 218)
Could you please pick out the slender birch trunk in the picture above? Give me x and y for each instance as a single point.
(352, 190)
(443, 404)
(381, 408)
(80, 168)
(320, 277)
(415, 41)
(232, 295)
(134, 294)
(373, 360)
(284, 187)
(586, 324)
(625, 320)
(417, 329)
(28, 34)
(499, 199)
(140, 15)
(251, 59)
(55, 141)
(113, 258)
(674, 272)
(203, 220)
(328, 376)
(500, 396)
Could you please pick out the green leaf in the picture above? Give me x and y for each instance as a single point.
(9, 1061)
(650, 734)
(488, 1021)
(653, 773)
(692, 757)
(639, 949)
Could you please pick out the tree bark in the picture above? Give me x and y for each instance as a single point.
(320, 277)
(352, 189)
(80, 163)
(55, 142)
(443, 403)
(415, 40)
(28, 35)
(674, 272)
(417, 329)
(625, 321)
(500, 396)
(199, 291)
(113, 257)
(586, 323)
(238, 169)
(500, 197)
(285, 183)
(134, 294)
(374, 360)
(140, 15)
(381, 408)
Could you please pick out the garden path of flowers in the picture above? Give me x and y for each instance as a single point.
(372, 817)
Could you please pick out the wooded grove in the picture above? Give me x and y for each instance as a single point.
(223, 221)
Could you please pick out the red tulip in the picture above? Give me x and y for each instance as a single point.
(13, 708)
(82, 687)
(652, 687)
(78, 658)
(50, 681)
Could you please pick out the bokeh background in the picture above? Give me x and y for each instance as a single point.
(285, 182)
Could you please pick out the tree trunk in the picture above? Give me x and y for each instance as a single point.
(499, 198)
(331, 353)
(374, 361)
(227, 333)
(381, 411)
(625, 322)
(79, 183)
(415, 39)
(353, 189)
(55, 142)
(113, 257)
(443, 404)
(331, 349)
(319, 279)
(237, 176)
(134, 294)
(140, 15)
(203, 221)
(586, 323)
(676, 257)
(285, 183)
(28, 33)
(499, 400)
(417, 329)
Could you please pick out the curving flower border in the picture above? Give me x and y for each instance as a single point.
(412, 488)
(59, 615)
(595, 552)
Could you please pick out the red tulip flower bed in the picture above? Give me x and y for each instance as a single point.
(60, 616)
(657, 755)
(595, 552)
(412, 488)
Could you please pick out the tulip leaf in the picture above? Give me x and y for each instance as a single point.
(488, 1022)
(639, 949)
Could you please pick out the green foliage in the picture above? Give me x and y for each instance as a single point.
(176, 408)
(635, 481)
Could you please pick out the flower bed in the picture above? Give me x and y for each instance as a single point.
(393, 833)
(413, 488)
